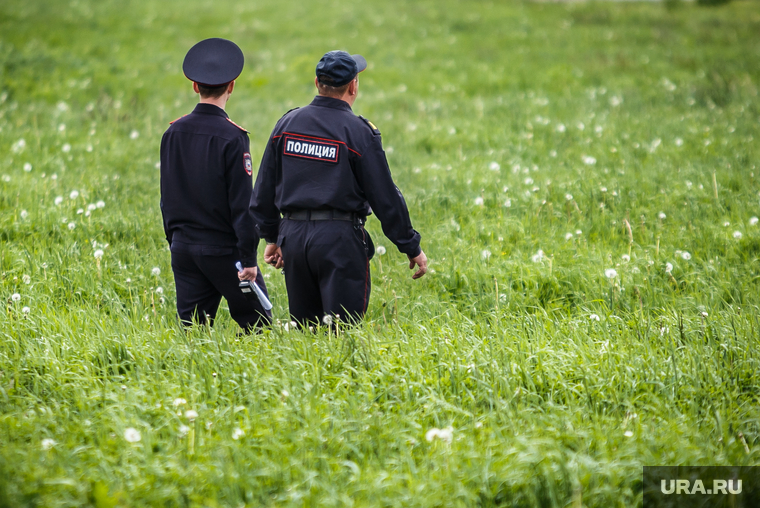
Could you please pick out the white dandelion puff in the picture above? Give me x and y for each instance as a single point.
(587, 159)
(628, 433)
(726, 224)
(685, 255)
(179, 401)
(16, 297)
(132, 435)
(610, 273)
(508, 203)
(737, 235)
(91, 207)
(485, 254)
(479, 201)
(569, 197)
(237, 433)
(191, 414)
(66, 148)
(753, 221)
(704, 314)
(159, 290)
(61, 127)
(72, 225)
(560, 127)
(18, 146)
(80, 211)
(26, 279)
(494, 166)
(100, 204)
(538, 256)
(578, 232)
(24, 214)
(528, 181)
(568, 236)
(48, 443)
(661, 216)
(27, 167)
(603, 189)
(74, 194)
(327, 320)
(625, 257)
(98, 254)
(25, 310)
(594, 317)
(668, 267)
(635, 269)
(183, 430)
(6, 178)
(58, 200)
(134, 135)
(285, 393)
(679, 142)
(380, 250)
(156, 271)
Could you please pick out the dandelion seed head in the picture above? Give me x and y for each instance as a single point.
(661, 216)
(703, 314)
(327, 320)
(48, 443)
(604, 189)
(24, 214)
(380, 250)
(578, 232)
(156, 271)
(508, 203)
(479, 201)
(753, 221)
(668, 267)
(594, 317)
(72, 225)
(159, 290)
(80, 211)
(58, 200)
(98, 254)
(560, 127)
(6, 178)
(610, 273)
(178, 402)
(685, 255)
(587, 159)
(91, 207)
(737, 234)
(494, 166)
(183, 430)
(528, 181)
(625, 257)
(538, 256)
(134, 135)
(27, 167)
(485, 254)
(569, 197)
(726, 224)
(26, 279)
(568, 236)
(191, 414)
(628, 433)
(66, 148)
(16, 297)
(237, 433)
(25, 310)
(132, 435)
(74, 194)
(100, 204)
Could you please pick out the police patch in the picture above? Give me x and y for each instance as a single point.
(311, 148)
(247, 163)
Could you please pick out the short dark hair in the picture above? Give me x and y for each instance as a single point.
(212, 92)
(326, 87)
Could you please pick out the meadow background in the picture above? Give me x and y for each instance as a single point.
(585, 180)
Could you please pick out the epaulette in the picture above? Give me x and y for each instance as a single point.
(236, 125)
(288, 111)
(375, 130)
(180, 118)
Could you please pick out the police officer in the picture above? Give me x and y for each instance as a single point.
(206, 187)
(324, 170)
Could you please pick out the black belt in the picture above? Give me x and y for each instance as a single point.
(323, 215)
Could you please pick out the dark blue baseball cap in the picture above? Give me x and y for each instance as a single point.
(213, 62)
(337, 68)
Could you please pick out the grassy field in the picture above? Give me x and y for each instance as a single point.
(585, 180)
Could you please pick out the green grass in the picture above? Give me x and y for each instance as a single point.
(558, 383)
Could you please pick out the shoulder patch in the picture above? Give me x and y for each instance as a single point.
(375, 130)
(236, 125)
(180, 118)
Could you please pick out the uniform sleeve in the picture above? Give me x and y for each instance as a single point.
(374, 177)
(263, 207)
(164, 164)
(239, 187)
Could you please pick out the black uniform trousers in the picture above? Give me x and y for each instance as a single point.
(202, 275)
(326, 269)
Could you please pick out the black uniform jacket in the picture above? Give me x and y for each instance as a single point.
(206, 183)
(322, 156)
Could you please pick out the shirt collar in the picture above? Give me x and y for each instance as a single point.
(210, 109)
(330, 102)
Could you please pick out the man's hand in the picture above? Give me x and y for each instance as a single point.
(420, 261)
(248, 273)
(273, 256)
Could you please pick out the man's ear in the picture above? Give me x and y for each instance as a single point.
(353, 88)
(231, 86)
(316, 83)
(195, 87)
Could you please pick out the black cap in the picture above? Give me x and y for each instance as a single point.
(213, 62)
(337, 68)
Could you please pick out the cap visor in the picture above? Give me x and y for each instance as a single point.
(361, 63)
